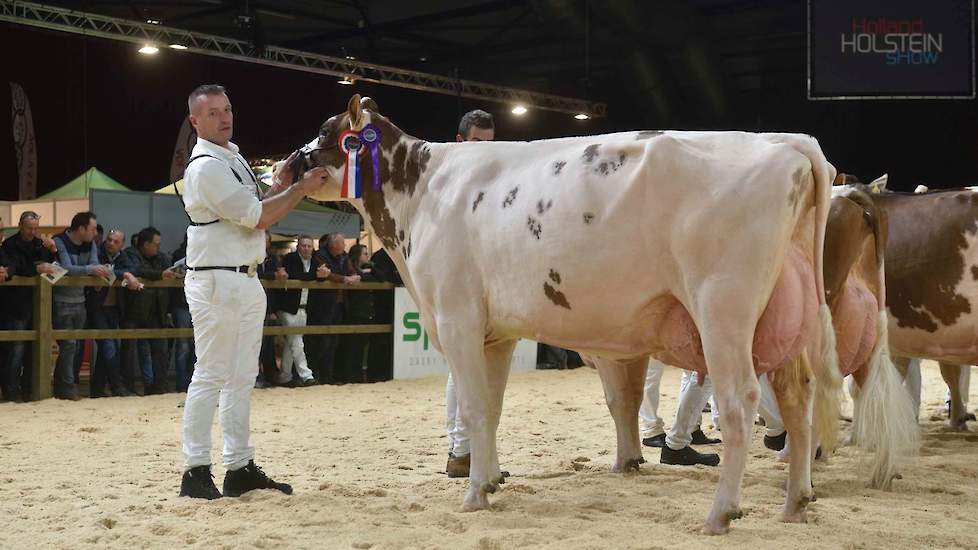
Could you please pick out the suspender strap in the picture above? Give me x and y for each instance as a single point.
(236, 176)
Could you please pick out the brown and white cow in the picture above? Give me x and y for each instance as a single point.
(932, 280)
(499, 240)
(855, 242)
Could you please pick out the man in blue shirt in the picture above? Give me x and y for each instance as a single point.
(79, 256)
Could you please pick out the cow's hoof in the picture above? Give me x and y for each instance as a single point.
(490, 487)
(627, 466)
(475, 502)
(716, 528)
(960, 426)
(798, 516)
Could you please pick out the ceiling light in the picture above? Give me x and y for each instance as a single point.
(581, 116)
(153, 21)
(519, 110)
(351, 57)
(178, 46)
(148, 49)
(346, 81)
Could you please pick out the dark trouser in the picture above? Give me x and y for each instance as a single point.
(321, 348)
(15, 363)
(349, 357)
(67, 316)
(153, 379)
(183, 350)
(266, 358)
(106, 368)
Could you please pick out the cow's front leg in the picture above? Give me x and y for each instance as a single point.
(794, 388)
(623, 391)
(499, 358)
(958, 416)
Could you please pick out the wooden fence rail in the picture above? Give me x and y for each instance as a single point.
(43, 336)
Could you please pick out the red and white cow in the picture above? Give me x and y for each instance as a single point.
(503, 240)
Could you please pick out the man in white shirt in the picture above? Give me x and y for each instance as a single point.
(225, 243)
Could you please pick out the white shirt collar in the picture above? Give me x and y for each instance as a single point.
(230, 152)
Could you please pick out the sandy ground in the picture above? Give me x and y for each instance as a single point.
(367, 463)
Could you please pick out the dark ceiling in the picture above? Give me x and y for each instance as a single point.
(697, 64)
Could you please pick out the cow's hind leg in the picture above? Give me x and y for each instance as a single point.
(623, 391)
(499, 357)
(727, 348)
(795, 390)
(958, 414)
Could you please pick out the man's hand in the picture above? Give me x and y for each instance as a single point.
(312, 180)
(132, 283)
(3, 274)
(45, 267)
(351, 279)
(48, 243)
(322, 271)
(281, 274)
(282, 173)
(170, 274)
(100, 271)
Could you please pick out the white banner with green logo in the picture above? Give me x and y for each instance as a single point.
(414, 356)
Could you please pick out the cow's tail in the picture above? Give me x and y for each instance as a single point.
(884, 419)
(828, 380)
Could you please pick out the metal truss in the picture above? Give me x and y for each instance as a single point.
(114, 28)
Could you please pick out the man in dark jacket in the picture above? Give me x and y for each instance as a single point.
(302, 266)
(269, 270)
(148, 309)
(26, 254)
(105, 305)
(326, 307)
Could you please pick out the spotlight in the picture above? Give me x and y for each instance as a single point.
(519, 110)
(148, 49)
(346, 81)
(178, 46)
(581, 116)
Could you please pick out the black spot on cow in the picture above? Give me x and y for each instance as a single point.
(590, 153)
(534, 226)
(408, 252)
(555, 276)
(511, 196)
(974, 272)
(544, 206)
(400, 235)
(478, 199)
(648, 134)
(588, 218)
(610, 166)
(556, 296)
(558, 166)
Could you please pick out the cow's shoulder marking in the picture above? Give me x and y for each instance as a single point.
(590, 153)
(511, 196)
(478, 200)
(556, 296)
(558, 166)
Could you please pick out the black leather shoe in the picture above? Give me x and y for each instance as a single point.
(700, 438)
(687, 457)
(249, 478)
(775, 442)
(199, 483)
(655, 441)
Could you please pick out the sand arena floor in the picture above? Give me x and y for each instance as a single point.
(367, 463)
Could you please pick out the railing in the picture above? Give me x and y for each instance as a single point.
(43, 336)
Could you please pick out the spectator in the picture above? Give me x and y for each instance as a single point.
(105, 306)
(299, 265)
(381, 356)
(184, 355)
(269, 270)
(79, 256)
(359, 311)
(148, 309)
(326, 307)
(26, 254)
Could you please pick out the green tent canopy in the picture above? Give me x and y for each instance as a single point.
(80, 187)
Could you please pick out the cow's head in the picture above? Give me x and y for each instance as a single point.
(325, 150)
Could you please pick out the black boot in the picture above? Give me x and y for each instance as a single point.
(687, 457)
(776, 442)
(655, 441)
(238, 482)
(700, 438)
(199, 483)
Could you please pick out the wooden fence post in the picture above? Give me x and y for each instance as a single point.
(42, 373)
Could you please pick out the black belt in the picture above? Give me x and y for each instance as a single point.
(249, 269)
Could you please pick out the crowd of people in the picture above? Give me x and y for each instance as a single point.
(127, 367)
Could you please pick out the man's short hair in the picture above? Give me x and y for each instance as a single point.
(477, 118)
(303, 237)
(81, 219)
(29, 215)
(204, 89)
(146, 235)
(115, 230)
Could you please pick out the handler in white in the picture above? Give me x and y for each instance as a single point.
(225, 243)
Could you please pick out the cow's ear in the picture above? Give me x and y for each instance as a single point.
(355, 111)
(370, 105)
(878, 185)
(921, 189)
